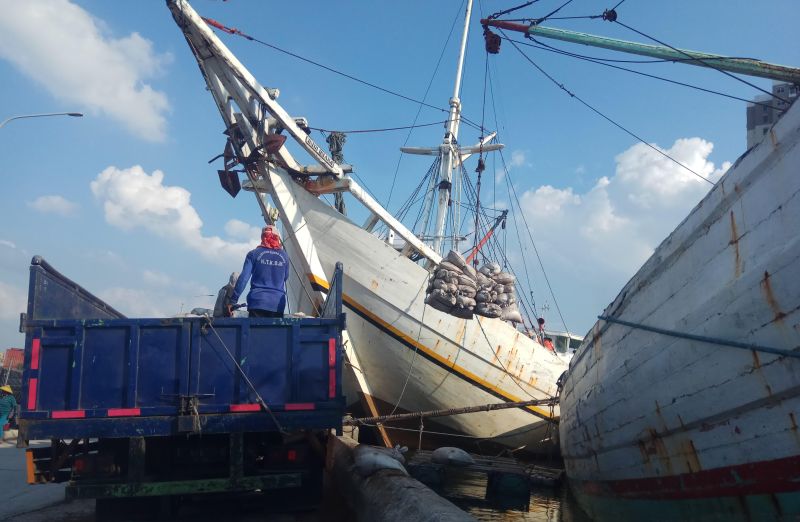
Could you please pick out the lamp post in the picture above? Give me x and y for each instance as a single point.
(73, 114)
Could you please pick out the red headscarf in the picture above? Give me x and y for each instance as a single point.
(270, 237)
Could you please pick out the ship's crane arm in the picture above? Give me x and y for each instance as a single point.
(259, 115)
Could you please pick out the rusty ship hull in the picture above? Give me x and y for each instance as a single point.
(663, 426)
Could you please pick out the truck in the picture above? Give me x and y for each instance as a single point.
(139, 410)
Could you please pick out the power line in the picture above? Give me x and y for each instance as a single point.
(602, 115)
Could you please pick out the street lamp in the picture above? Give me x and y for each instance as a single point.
(73, 114)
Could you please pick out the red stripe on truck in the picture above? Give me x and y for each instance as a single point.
(244, 407)
(124, 412)
(68, 414)
(297, 406)
(32, 385)
(35, 346)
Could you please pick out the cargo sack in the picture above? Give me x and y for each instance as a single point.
(502, 300)
(491, 268)
(452, 288)
(483, 297)
(467, 290)
(443, 297)
(455, 258)
(438, 305)
(461, 313)
(466, 280)
(510, 289)
(488, 310)
(499, 289)
(482, 280)
(463, 301)
(511, 313)
(451, 267)
(441, 273)
(470, 271)
(440, 284)
(504, 278)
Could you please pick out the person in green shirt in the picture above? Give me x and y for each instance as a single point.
(8, 405)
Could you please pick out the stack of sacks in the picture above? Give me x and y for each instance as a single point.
(496, 296)
(458, 289)
(453, 287)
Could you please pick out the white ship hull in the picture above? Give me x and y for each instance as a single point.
(452, 362)
(658, 427)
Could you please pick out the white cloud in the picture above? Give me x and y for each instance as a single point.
(13, 301)
(135, 302)
(53, 205)
(592, 242)
(517, 158)
(7, 243)
(134, 199)
(156, 278)
(240, 230)
(70, 53)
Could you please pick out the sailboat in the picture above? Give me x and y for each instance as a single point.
(405, 355)
(682, 402)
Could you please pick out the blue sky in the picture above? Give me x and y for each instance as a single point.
(85, 194)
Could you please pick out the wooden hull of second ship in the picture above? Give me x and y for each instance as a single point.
(412, 355)
(661, 427)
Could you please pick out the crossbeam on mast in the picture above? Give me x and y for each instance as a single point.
(747, 66)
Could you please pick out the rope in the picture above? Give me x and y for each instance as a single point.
(449, 412)
(237, 32)
(607, 118)
(702, 338)
(601, 61)
(388, 129)
(703, 62)
(244, 375)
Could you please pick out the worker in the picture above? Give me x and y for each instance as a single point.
(8, 405)
(267, 269)
(224, 297)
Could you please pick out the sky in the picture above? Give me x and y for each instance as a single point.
(124, 201)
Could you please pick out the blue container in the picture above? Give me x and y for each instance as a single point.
(91, 372)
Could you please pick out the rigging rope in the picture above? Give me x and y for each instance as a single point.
(247, 380)
(600, 61)
(601, 114)
(702, 338)
(387, 129)
(701, 61)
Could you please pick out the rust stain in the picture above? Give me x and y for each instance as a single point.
(794, 421)
(680, 420)
(735, 242)
(373, 284)
(499, 349)
(770, 296)
(596, 340)
(660, 450)
(794, 429)
(644, 451)
(692, 459)
(756, 361)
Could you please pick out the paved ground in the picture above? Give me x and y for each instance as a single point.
(16, 496)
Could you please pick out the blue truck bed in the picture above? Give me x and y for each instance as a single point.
(91, 372)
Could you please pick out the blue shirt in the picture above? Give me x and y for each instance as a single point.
(267, 269)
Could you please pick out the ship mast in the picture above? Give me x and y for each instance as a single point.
(449, 157)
